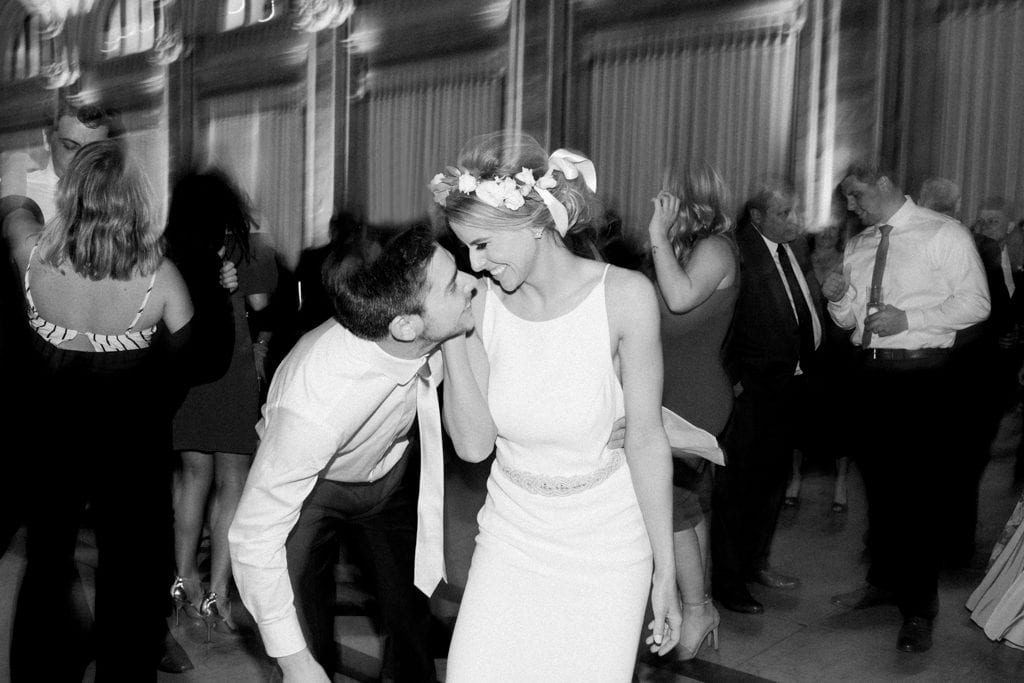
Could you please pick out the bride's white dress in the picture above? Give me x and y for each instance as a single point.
(997, 604)
(561, 572)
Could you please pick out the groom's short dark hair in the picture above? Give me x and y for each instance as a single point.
(378, 279)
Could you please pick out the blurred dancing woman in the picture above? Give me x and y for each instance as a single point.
(214, 429)
(563, 345)
(107, 308)
(697, 274)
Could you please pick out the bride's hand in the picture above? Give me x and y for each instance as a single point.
(666, 210)
(668, 616)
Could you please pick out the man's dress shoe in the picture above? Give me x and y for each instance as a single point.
(864, 597)
(739, 600)
(771, 579)
(915, 635)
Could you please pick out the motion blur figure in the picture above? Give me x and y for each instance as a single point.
(111, 319)
(214, 430)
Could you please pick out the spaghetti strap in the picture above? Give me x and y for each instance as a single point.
(604, 275)
(28, 288)
(145, 300)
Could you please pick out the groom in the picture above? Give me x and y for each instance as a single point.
(337, 458)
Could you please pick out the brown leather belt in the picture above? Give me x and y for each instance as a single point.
(906, 354)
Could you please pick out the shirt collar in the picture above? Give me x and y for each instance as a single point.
(773, 246)
(901, 217)
(400, 370)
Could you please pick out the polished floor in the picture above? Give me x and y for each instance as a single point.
(800, 637)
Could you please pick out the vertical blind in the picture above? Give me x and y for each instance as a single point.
(30, 51)
(655, 102)
(148, 136)
(258, 137)
(419, 116)
(981, 102)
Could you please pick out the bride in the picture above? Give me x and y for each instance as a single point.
(573, 536)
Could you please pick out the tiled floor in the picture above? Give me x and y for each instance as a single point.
(801, 636)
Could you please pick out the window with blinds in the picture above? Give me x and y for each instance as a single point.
(655, 96)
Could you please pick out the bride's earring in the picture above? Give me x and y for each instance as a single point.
(537, 235)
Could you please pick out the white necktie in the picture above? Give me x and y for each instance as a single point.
(1004, 264)
(429, 568)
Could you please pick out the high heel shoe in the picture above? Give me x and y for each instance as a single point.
(182, 601)
(215, 612)
(710, 633)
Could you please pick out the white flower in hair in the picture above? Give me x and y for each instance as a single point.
(468, 183)
(526, 178)
(490, 192)
(547, 181)
(510, 195)
(514, 200)
(441, 187)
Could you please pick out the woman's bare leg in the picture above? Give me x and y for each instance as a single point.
(230, 473)
(699, 615)
(191, 488)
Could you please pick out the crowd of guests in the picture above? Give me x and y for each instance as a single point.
(558, 359)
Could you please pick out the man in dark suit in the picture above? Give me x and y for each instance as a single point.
(771, 357)
(984, 371)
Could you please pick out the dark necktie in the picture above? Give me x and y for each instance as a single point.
(875, 299)
(803, 312)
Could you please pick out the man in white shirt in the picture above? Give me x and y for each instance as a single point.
(69, 127)
(335, 458)
(910, 281)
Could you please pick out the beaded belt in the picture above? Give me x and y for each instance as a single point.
(545, 485)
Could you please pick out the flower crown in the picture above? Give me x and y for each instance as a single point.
(513, 191)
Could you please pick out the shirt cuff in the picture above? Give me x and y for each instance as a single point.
(915, 319)
(845, 302)
(284, 636)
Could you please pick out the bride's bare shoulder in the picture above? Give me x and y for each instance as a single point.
(630, 294)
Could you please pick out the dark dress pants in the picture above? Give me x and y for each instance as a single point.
(127, 488)
(980, 379)
(748, 492)
(377, 522)
(905, 429)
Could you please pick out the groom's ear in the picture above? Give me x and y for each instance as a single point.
(406, 327)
